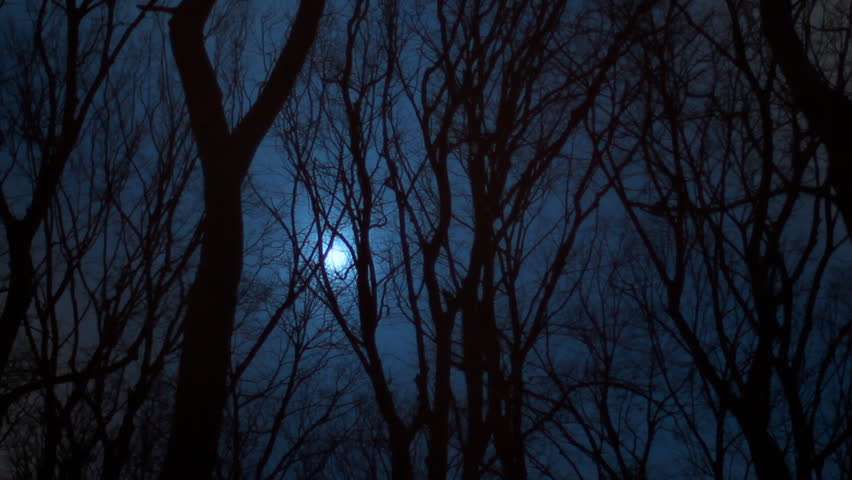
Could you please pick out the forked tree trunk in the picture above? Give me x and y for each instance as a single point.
(225, 157)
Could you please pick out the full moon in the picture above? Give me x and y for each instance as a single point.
(337, 258)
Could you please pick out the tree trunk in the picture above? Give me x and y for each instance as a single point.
(225, 157)
(20, 294)
(206, 352)
(439, 433)
(828, 111)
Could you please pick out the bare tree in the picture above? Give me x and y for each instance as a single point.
(505, 239)
(730, 206)
(447, 182)
(53, 97)
(114, 254)
(86, 394)
(603, 402)
(290, 386)
(226, 154)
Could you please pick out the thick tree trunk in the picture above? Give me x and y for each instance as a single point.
(768, 458)
(401, 468)
(225, 157)
(477, 436)
(206, 351)
(20, 293)
(439, 433)
(508, 433)
(827, 109)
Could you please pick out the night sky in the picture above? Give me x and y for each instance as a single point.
(403, 239)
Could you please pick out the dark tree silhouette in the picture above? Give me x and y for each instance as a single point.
(225, 155)
(827, 107)
(52, 120)
(596, 240)
(84, 391)
(448, 235)
(744, 256)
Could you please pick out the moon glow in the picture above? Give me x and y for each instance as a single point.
(337, 258)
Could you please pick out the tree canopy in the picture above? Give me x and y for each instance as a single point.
(399, 239)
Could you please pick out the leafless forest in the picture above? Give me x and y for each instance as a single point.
(452, 239)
